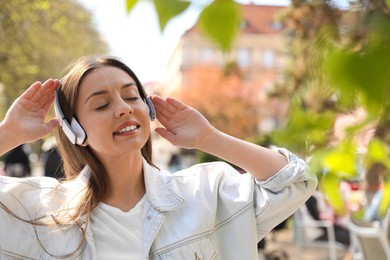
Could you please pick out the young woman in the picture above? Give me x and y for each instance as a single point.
(115, 204)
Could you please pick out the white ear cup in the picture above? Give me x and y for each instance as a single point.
(73, 131)
(79, 131)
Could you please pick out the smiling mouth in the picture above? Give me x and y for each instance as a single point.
(127, 129)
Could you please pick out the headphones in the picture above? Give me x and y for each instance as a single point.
(75, 132)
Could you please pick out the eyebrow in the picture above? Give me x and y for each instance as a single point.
(101, 92)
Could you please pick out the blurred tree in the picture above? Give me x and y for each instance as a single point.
(39, 38)
(340, 62)
(224, 98)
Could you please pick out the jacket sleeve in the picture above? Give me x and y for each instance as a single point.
(281, 195)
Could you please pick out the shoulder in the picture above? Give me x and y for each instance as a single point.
(210, 170)
(30, 194)
(207, 177)
(31, 183)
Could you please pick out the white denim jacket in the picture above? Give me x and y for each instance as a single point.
(208, 211)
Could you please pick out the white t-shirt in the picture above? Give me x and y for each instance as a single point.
(118, 234)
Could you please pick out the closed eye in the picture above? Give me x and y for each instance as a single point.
(131, 99)
(100, 108)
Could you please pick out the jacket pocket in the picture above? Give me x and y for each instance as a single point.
(200, 249)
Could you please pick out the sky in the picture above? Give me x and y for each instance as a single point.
(135, 37)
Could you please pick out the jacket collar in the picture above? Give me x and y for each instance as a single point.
(158, 193)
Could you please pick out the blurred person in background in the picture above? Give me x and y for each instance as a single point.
(17, 163)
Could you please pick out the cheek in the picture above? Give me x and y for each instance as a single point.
(94, 129)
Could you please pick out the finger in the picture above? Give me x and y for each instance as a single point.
(162, 119)
(47, 128)
(30, 92)
(37, 92)
(160, 108)
(49, 87)
(53, 123)
(47, 97)
(164, 104)
(47, 103)
(178, 105)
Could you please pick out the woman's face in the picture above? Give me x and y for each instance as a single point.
(112, 113)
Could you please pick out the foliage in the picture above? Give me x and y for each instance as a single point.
(38, 38)
(226, 100)
(219, 19)
(350, 58)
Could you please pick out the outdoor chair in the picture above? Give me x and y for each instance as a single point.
(370, 239)
(302, 226)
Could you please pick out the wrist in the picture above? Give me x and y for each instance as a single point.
(7, 135)
(209, 140)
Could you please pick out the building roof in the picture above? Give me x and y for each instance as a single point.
(260, 19)
(256, 19)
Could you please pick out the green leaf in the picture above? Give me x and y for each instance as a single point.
(377, 150)
(385, 202)
(130, 4)
(342, 160)
(377, 153)
(316, 161)
(330, 187)
(167, 9)
(388, 3)
(220, 22)
(364, 73)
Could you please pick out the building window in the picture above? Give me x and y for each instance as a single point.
(243, 57)
(268, 58)
(277, 25)
(243, 24)
(207, 55)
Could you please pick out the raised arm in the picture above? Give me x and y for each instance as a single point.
(25, 120)
(186, 127)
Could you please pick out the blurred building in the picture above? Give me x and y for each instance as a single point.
(258, 50)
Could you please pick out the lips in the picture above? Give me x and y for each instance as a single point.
(127, 128)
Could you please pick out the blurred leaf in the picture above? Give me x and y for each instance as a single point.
(330, 187)
(377, 153)
(130, 4)
(305, 128)
(342, 160)
(27, 23)
(317, 159)
(366, 71)
(167, 9)
(388, 3)
(220, 22)
(385, 202)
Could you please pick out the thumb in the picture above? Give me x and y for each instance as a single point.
(52, 124)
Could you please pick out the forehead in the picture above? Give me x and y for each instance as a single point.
(104, 78)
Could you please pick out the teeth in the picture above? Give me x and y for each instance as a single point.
(127, 129)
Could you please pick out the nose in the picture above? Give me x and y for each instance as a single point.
(123, 108)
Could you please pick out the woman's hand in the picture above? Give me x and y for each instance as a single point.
(25, 119)
(183, 125)
(186, 127)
